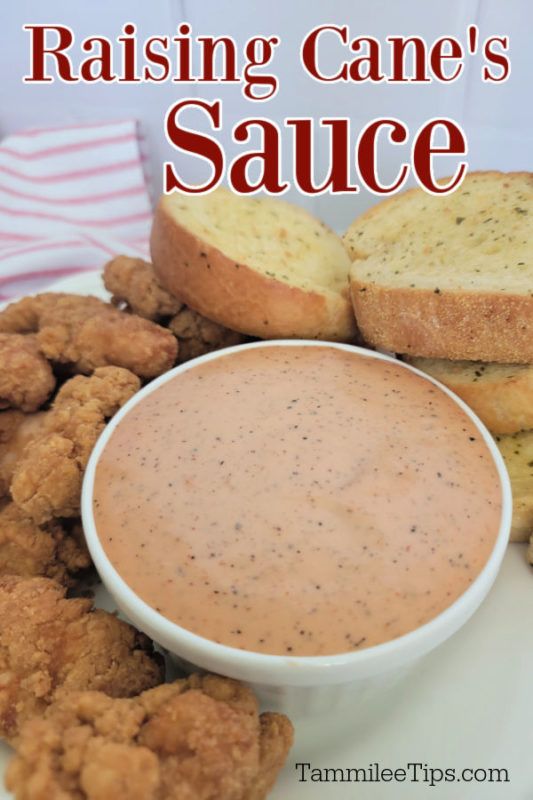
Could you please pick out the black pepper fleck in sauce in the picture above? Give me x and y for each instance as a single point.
(301, 500)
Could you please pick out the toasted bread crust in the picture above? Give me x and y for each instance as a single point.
(426, 285)
(237, 296)
(454, 325)
(503, 402)
(517, 452)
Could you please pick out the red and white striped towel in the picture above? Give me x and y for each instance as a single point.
(70, 199)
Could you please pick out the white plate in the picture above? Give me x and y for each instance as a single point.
(469, 704)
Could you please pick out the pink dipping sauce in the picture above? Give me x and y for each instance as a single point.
(297, 500)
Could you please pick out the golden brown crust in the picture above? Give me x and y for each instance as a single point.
(49, 643)
(517, 452)
(30, 550)
(26, 377)
(133, 281)
(502, 401)
(277, 735)
(44, 470)
(195, 739)
(238, 297)
(12, 442)
(198, 335)
(46, 483)
(475, 322)
(85, 333)
(454, 325)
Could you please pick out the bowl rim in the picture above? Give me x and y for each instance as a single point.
(282, 669)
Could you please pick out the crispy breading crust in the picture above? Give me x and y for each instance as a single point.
(51, 551)
(195, 739)
(47, 476)
(26, 377)
(16, 431)
(48, 642)
(198, 335)
(10, 422)
(85, 333)
(133, 281)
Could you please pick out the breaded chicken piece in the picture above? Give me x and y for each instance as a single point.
(46, 477)
(198, 335)
(48, 643)
(51, 551)
(195, 739)
(16, 430)
(133, 281)
(86, 333)
(10, 421)
(26, 377)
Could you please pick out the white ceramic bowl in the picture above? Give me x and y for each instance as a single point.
(298, 685)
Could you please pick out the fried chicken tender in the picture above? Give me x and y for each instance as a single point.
(46, 476)
(51, 551)
(10, 421)
(195, 739)
(49, 643)
(86, 333)
(198, 335)
(26, 377)
(133, 281)
(16, 430)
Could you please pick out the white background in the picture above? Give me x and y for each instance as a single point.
(497, 118)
